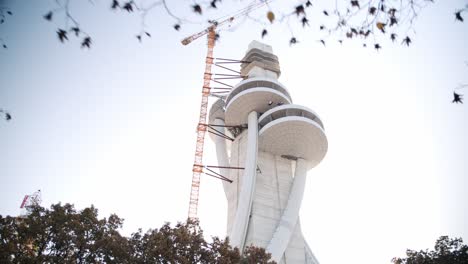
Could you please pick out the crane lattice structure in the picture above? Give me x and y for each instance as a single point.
(31, 200)
(206, 92)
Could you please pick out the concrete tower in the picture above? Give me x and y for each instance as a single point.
(276, 142)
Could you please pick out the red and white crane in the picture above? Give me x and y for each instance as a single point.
(206, 91)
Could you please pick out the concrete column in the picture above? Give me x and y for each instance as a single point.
(241, 221)
(310, 256)
(282, 235)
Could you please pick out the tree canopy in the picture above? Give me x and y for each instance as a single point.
(62, 234)
(446, 251)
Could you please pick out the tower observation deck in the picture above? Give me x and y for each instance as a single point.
(276, 142)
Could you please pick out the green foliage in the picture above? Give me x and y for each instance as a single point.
(255, 255)
(446, 251)
(63, 235)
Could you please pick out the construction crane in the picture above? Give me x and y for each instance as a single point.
(202, 126)
(31, 200)
(212, 28)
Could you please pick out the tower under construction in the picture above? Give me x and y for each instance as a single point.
(276, 143)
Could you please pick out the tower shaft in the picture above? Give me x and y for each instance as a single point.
(280, 143)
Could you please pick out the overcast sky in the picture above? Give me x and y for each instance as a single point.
(114, 125)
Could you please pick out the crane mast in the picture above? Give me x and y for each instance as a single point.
(207, 77)
(201, 127)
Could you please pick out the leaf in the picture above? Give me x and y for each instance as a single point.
(177, 27)
(322, 27)
(349, 34)
(372, 10)
(148, 34)
(138, 37)
(86, 43)
(10, 13)
(1, 21)
(271, 16)
(264, 33)
(457, 98)
(325, 12)
(377, 46)
(300, 10)
(76, 30)
(62, 35)
(217, 37)
(5, 46)
(393, 21)
(355, 3)
(305, 22)
(381, 26)
(197, 9)
(393, 37)
(392, 11)
(292, 41)
(406, 41)
(128, 6)
(342, 22)
(458, 16)
(354, 31)
(48, 16)
(308, 3)
(213, 4)
(323, 42)
(340, 41)
(115, 4)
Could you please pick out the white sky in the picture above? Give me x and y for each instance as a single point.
(115, 126)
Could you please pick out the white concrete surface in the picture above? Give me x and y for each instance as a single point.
(258, 82)
(288, 221)
(288, 110)
(294, 136)
(265, 198)
(253, 99)
(239, 228)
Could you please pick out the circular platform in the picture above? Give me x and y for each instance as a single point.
(257, 82)
(292, 135)
(288, 110)
(254, 99)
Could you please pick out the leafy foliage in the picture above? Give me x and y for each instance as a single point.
(446, 251)
(347, 16)
(62, 33)
(358, 20)
(6, 115)
(63, 235)
(457, 98)
(366, 21)
(5, 12)
(361, 20)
